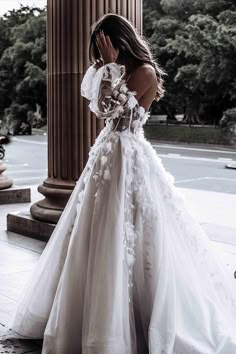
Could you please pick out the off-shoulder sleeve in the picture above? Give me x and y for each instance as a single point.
(107, 91)
(87, 82)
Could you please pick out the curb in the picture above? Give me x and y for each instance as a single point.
(226, 147)
(231, 167)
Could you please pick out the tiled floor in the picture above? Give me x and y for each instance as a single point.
(16, 264)
(18, 255)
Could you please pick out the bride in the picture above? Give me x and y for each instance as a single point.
(127, 269)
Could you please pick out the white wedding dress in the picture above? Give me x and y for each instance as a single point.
(127, 269)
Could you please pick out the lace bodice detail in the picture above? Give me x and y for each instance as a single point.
(110, 98)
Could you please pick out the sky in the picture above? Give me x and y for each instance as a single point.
(6, 5)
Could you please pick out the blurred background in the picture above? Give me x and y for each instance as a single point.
(22, 66)
(194, 41)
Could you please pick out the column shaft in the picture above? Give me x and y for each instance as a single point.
(71, 127)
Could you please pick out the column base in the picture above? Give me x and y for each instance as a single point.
(15, 195)
(22, 223)
(5, 182)
(57, 193)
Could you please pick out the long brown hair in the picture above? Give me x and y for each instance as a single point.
(125, 37)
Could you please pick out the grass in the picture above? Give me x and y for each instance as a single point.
(196, 134)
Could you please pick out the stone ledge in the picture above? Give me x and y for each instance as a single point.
(15, 195)
(22, 223)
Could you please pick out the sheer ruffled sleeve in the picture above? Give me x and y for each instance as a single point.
(87, 82)
(110, 97)
(106, 89)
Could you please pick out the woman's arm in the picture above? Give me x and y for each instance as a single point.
(111, 96)
(143, 81)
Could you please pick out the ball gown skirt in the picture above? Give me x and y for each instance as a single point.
(127, 269)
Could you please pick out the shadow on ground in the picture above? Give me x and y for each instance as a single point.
(10, 344)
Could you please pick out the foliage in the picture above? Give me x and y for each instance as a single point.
(22, 63)
(195, 42)
(228, 125)
(180, 133)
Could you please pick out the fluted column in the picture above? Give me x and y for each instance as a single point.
(71, 128)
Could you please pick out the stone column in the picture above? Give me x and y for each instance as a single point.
(71, 128)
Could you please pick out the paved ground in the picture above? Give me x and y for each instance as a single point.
(199, 167)
(194, 166)
(19, 254)
(26, 159)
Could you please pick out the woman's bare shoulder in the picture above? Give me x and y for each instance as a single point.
(143, 79)
(147, 71)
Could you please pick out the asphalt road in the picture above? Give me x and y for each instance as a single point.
(192, 166)
(26, 159)
(199, 167)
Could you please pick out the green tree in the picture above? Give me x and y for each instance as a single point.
(23, 61)
(194, 41)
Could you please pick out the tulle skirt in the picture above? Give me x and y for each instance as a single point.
(127, 269)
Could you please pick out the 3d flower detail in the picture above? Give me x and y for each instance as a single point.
(123, 88)
(132, 102)
(107, 147)
(103, 160)
(107, 175)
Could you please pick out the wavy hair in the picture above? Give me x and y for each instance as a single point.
(125, 37)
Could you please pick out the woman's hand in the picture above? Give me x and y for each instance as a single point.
(107, 52)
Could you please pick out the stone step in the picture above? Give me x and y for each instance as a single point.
(14, 195)
(24, 224)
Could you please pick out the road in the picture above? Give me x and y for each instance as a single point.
(26, 159)
(199, 167)
(192, 166)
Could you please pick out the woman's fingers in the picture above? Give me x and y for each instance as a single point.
(107, 52)
(109, 42)
(102, 44)
(103, 39)
(99, 44)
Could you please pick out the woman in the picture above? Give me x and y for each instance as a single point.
(127, 269)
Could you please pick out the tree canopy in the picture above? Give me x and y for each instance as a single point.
(22, 62)
(195, 42)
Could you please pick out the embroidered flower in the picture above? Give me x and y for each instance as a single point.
(107, 175)
(107, 147)
(95, 177)
(123, 88)
(103, 160)
(81, 196)
(132, 102)
(122, 97)
(115, 93)
(140, 110)
(136, 124)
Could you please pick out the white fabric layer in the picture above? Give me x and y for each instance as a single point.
(127, 269)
